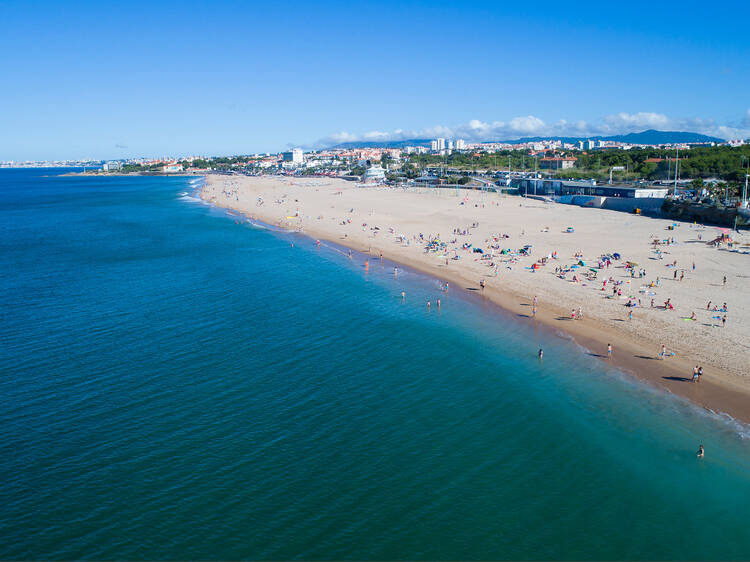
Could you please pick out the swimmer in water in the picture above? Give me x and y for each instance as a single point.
(541, 353)
(395, 271)
(438, 303)
(700, 452)
(429, 304)
(403, 295)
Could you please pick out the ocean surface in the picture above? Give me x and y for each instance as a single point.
(176, 383)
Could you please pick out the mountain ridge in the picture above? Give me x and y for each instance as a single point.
(648, 137)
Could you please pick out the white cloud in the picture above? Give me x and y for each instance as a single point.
(532, 126)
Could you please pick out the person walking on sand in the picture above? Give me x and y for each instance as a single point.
(609, 351)
(663, 352)
(700, 373)
(695, 373)
(700, 452)
(725, 281)
(724, 321)
(630, 315)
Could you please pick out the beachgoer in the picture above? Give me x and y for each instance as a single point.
(403, 295)
(429, 304)
(663, 353)
(695, 374)
(700, 373)
(438, 303)
(725, 281)
(609, 350)
(541, 353)
(723, 321)
(700, 452)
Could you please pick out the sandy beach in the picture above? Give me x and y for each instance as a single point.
(566, 243)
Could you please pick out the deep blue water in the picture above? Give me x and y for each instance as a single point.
(175, 385)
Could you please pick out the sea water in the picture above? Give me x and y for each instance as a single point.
(176, 383)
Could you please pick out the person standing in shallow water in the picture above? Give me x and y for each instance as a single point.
(541, 354)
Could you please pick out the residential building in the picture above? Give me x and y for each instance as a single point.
(295, 156)
(172, 167)
(557, 163)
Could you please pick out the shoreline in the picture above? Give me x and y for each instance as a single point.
(717, 393)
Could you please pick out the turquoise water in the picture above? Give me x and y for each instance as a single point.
(175, 385)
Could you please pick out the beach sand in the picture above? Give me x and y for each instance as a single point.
(339, 211)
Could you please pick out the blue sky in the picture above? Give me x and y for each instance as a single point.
(108, 80)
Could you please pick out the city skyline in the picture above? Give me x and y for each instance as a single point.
(108, 82)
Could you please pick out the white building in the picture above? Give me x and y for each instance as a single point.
(295, 156)
(172, 167)
(460, 144)
(440, 144)
(112, 166)
(434, 145)
(374, 175)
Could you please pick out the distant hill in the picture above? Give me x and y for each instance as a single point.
(650, 136)
(384, 144)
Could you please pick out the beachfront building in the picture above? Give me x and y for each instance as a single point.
(172, 167)
(295, 156)
(374, 175)
(555, 187)
(112, 166)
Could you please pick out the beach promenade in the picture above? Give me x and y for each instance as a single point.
(552, 253)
